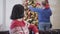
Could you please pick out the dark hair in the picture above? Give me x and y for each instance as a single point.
(17, 12)
(44, 3)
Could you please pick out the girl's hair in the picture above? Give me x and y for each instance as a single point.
(17, 12)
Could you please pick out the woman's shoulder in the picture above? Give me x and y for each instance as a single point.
(14, 22)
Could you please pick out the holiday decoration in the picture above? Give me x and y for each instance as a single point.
(30, 16)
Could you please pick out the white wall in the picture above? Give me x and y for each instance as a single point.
(1, 16)
(55, 18)
(1, 11)
(9, 6)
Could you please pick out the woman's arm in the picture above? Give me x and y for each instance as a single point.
(34, 28)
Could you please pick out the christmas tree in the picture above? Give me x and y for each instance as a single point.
(30, 16)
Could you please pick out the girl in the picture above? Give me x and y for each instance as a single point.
(19, 25)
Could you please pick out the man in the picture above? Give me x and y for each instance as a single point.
(44, 14)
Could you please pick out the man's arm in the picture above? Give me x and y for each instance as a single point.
(34, 9)
(50, 12)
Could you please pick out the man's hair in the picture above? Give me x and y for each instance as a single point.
(17, 12)
(44, 3)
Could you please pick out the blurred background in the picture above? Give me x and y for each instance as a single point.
(7, 5)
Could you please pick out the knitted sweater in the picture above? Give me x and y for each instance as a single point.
(22, 27)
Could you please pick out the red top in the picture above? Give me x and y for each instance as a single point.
(22, 27)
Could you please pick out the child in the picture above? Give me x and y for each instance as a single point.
(19, 25)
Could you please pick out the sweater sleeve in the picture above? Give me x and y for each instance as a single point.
(34, 9)
(33, 28)
(50, 12)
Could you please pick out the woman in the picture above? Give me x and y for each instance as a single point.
(19, 25)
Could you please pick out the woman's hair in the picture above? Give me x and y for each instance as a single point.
(17, 12)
